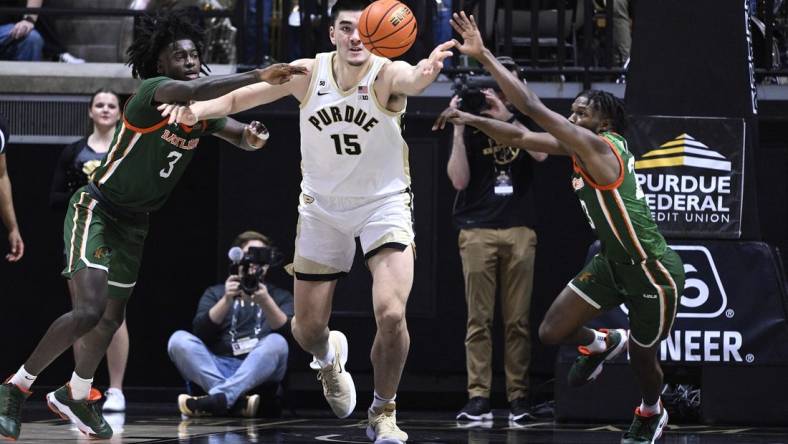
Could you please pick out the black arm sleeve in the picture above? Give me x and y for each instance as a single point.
(60, 193)
(202, 325)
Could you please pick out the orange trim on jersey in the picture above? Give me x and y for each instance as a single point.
(628, 223)
(188, 129)
(149, 129)
(578, 169)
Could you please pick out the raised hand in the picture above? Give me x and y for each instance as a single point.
(465, 26)
(435, 60)
(178, 114)
(255, 134)
(280, 73)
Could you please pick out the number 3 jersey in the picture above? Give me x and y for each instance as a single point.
(351, 145)
(147, 156)
(618, 212)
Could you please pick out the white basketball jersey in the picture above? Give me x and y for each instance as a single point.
(351, 145)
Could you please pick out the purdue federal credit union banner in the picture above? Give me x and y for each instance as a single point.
(691, 171)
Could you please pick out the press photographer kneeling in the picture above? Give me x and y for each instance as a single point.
(235, 346)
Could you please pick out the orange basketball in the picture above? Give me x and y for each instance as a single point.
(387, 28)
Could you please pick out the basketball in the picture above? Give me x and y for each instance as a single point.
(387, 28)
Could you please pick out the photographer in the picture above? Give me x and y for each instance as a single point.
(495, 213)
(235, 346)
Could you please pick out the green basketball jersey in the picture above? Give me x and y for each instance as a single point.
(618, 212)
(147, 156)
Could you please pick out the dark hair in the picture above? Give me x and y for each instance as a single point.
(154, 33)
(347, 5)
(610, 106)
(250, 235)
(510, 65)
(102, 91)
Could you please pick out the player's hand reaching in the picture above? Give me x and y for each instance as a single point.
(280, 73)
(434, 63)
(178, 114)
(255, 135)
(454, 116)
(465, 26)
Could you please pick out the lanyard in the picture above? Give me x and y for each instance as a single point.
(238, 304)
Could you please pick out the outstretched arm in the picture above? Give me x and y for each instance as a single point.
(593, 152)
(457, 168)
(410, 80)
(249, 137)
(206, 88)
(240, 99)
(504, 133)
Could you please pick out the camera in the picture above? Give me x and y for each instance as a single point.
(250, 266)
(469, 89)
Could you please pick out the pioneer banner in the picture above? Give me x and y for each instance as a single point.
(691, 171)
(732, 308)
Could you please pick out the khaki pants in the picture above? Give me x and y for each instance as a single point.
(504, 256)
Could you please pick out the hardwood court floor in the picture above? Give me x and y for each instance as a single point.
(164, 425)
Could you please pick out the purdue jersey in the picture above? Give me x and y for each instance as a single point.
(351, 145)
(147, 157)
(618, 212)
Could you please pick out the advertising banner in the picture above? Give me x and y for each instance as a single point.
(732, 309)
(691, 170)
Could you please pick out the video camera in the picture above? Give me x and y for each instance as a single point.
(469, 86)
(250, 266)
(469, 89)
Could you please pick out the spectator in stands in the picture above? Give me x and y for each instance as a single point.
(236, 345)
(294, 31)
(53, 44)
(15, 243)
(622, 32)
(18, 38)
(76, 164)
(257, 31)
(622, 26)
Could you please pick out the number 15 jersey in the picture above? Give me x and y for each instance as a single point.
(351, 145)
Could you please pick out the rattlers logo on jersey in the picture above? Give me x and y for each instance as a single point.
(178, 141)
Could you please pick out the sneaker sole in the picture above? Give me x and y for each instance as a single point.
(526, 416)
(65, 412)
(616, 351)
(661, 426)
(372, 437)
(342, 346)
(483, 417)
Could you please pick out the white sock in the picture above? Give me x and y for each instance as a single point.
(650, 410)
(328, 359)
(378, 401)
(599, 344)
(23, 379)
(80, 388)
